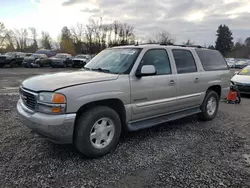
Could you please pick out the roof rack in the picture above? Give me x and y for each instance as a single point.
(171, 44)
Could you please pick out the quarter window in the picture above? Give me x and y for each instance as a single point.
(158, 58)
(184, 61)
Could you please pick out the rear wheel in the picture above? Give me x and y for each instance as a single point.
(97, 131)
(1, 65)
(210, 106)
(64, 65)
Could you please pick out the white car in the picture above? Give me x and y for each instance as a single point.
(242, 80)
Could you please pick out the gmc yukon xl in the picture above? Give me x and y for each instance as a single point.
(123, 89)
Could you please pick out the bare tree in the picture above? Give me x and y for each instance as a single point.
(20, 38)
(34, 46)
(162, 37)
(189, 43)
(46, 40)
(2, 33)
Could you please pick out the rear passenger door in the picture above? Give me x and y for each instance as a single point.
(155, 94)
(189, 90)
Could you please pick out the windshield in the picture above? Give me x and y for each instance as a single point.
(60, 56)
(115, 60)
(245, 71)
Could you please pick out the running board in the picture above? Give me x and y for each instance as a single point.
(161, 119)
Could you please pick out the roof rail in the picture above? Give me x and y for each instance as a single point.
(171, 44)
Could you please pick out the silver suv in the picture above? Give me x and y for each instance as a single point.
(123, 89)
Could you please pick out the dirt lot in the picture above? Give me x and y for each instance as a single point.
(184, 153)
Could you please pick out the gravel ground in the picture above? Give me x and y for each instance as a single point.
(183, 153)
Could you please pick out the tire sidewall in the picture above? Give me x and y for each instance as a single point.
(204, 106)
(84, 126)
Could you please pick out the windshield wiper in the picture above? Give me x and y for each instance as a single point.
(101, 70)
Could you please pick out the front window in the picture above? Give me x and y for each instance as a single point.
(115, 60)
(245, 71)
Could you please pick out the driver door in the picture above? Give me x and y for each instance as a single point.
(155, 94)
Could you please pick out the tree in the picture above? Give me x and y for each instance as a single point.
(162, 37)
(46, 41)
(66, 43)
(2, 34)
(34, 45)
(224, 42)
(211, 47)
(189, 43)
(78, 34)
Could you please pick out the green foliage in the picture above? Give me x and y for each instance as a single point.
(224, 42)
(46, 41)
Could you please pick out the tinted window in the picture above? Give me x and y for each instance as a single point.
(184, 61)
(158, 58)
(211, 60)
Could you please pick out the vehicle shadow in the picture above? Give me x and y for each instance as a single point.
(70, 151)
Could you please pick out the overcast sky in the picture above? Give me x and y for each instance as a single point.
(196, 20)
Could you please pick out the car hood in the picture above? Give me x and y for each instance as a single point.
(241, 79)
(83, 59)
(57, 59)
(52, 82)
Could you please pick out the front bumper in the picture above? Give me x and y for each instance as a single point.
(244, 89)
(57, 128)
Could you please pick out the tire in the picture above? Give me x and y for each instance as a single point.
(12, 64)
(208, 113)
(1, 65)
(85, 126)
(64, 65)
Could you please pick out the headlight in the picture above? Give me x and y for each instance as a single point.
(8, 57)
(54, 103)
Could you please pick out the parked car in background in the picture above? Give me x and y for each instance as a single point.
(20, 57)
(36, 60)
(81, 60)
(240, 64)
(11, 59)
(61, 60)
(124, 88)
(48, 53)
(242, 80)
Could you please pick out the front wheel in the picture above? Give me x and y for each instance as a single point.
(210, 106)
(12, 64)
(97, 131)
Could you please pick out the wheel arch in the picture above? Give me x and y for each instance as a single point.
(113, 103)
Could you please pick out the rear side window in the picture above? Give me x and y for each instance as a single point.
(184, 61)
(212, 60)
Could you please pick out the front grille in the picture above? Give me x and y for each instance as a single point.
(28, 99)
(2, 58)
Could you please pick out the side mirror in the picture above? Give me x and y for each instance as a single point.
(146, 70)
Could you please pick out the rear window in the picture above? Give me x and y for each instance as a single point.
(212, 60)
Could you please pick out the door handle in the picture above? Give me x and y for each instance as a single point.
(171, 83)
(196, 80)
